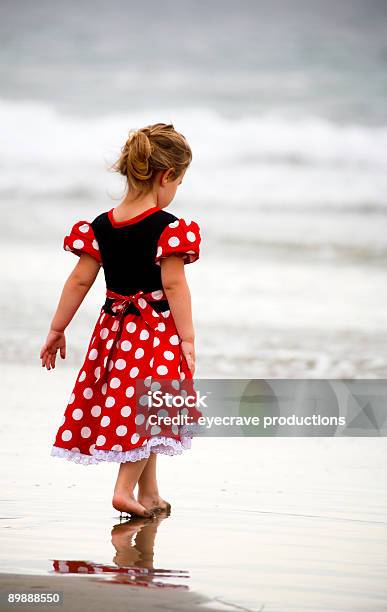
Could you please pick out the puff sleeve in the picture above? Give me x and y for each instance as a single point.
(81, 239)
(180, 237)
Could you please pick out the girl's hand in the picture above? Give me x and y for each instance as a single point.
(188, 349)
(54, 341)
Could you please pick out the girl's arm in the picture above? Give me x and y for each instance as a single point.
(179, 299)
(72, 296)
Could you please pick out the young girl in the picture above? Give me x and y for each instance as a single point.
(144, 330)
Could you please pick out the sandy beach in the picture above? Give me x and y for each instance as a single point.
(88, 594)
(273, 524)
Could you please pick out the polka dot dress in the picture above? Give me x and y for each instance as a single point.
(133, 343)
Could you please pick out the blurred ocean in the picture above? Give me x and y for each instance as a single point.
(285, 109)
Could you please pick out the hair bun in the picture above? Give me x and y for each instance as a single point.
(139, 150)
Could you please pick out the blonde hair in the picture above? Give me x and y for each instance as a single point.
(149, 150)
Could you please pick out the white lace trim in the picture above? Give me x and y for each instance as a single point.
(157, 444)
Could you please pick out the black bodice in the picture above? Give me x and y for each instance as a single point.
(128, 251)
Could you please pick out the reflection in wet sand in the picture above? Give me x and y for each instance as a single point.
(134, 541)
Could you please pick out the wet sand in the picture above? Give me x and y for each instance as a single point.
(277, 524)
(96, 595)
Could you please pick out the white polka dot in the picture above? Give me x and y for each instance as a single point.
(135, 438)
(144, 400)
(165, 314)
(110, 401)
(191, 236)
(72, 398)
(109, 343)
(96, 411)
(155, 386)
(104, 333)
(85, 432)
(175, 429)
(115, 383)
(88, 393)
(182, 376)
(84, 228)
(131, 327)
(141, 303)
(91, 448)
(147, 381)
(75, 449)
(120, 364)
(169, 355)
(97, 372)
(133, 372)
(77, 414)
(155, 430)
(104, 361)
(176, 384)
(67, 435)
(126, 411)
(139, 353)
(115, 326)
(117, 447)
(159, 251)
(151, 362)
(78, 244)
(95, 245)
(82, 376)
(173, 241)
(162, 369)
(101, 441)
(126, 345)
(110, 365)
(129, 392)
(157, 295)
(161, 326)
(144, 334)
(174, 339)
(121, 430)
(174, 223)
(156, 341)
(105, 421)
(93, 354)
(104, 388)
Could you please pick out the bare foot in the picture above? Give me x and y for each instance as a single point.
(153, 502)
(125, 502)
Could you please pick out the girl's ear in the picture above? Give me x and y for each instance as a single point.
(166, 176)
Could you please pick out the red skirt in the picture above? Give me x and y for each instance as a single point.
(103, 420)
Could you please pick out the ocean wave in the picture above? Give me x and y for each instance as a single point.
(268, 158)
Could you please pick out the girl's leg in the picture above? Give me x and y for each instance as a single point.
(123, 497)
(148, 492)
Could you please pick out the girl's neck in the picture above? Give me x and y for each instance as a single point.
(129, 208)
